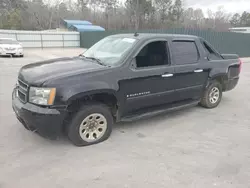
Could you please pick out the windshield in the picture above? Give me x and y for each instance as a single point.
(8, 41)
(110, 50)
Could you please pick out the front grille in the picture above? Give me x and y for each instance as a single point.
(23, 85)
(10, 49)
(21, 96)
(22, 91)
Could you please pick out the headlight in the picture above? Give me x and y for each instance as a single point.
(42, 96)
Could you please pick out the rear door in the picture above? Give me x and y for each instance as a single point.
(191, 69)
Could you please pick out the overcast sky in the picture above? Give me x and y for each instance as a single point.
(229, 5)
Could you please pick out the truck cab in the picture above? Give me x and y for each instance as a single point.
(121, 78)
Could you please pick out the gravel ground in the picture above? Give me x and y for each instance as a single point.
(189, 148)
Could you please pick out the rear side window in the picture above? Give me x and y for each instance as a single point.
(185, 52)
(212, 55)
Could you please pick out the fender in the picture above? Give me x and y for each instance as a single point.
(222, 67)
(81, 90)
(215, 72)
(221, 75)
(224, 75)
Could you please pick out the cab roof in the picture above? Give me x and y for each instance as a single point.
(154, 35)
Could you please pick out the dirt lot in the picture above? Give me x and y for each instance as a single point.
(190, 148)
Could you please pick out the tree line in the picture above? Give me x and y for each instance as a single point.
(115, 14)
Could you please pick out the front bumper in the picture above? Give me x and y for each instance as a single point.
(45, 121)
(15, 53)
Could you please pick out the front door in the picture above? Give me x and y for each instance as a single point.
(151, 79)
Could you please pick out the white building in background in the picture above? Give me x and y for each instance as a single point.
(240, 29)
(43, 39)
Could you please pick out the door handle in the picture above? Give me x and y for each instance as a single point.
(167, 75)
(198, 70)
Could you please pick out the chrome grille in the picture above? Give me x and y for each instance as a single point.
(22, 91)
(23, 85)
(10, 49)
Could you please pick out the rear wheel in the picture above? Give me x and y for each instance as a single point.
(212, 95)
(91, 124)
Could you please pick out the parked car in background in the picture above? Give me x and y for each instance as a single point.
(10, 47)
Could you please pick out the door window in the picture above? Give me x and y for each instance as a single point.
(185, 52)
(153, 54)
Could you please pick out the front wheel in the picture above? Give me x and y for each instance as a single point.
(92, 124)
(212, 95)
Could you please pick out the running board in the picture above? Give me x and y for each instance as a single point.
(158, 111)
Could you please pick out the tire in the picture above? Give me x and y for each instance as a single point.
(21, 56)
(207, 100)
(84, 130)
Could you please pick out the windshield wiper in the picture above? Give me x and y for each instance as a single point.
(96, 60)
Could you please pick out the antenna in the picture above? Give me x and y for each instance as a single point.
(137, 19)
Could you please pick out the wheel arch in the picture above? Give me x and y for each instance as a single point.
(104, 96)
(222, 78)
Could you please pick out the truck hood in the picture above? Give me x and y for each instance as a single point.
(40, 72)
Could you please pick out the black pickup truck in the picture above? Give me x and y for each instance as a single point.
(121, 78)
